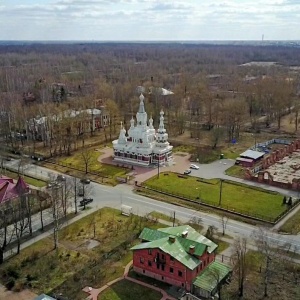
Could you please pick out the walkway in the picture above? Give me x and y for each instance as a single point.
(181, 163)
(215, 169)
(94, 293)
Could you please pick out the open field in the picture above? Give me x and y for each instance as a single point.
(29, 180)
(241, 198)
(77, 161)
(74, 165)
(91, 252)
(235, 171)
(126, 290)
(292, 225)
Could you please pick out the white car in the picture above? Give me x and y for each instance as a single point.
(194, 167)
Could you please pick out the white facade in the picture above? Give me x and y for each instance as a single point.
(143, 145)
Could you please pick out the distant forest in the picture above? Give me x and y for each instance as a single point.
(211, 87)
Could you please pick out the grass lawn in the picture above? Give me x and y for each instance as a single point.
(222, 245)
(29, 180)
(77, 161)
(292, 225)
(160, 216)
(235, 171)
(126, 290)
(241, 198)
(184, 148)
(74, 265)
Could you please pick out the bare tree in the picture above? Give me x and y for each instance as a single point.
(216, 135)
(224, 221)
(270, 253)
(21, 217)
(211, 232)
(58, 211)
(74, 189)
(5, 233)
(87, 157)
(241, 263)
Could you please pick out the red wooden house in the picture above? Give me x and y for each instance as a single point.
(181, 257)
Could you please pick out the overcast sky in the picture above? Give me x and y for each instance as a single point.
(99, 20)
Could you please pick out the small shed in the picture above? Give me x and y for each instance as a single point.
(249, 158)
(245, 162)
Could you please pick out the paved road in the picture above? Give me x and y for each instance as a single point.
(217, 170)
(123, 194)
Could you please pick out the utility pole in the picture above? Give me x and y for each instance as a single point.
(158, 167)
(220, 196)
(174, 214)
(55, 214)
(75, 195)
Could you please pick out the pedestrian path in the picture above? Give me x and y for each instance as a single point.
(94, 293)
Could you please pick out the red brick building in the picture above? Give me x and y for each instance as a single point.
(179, 256)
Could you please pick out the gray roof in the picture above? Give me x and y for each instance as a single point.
(252, 154)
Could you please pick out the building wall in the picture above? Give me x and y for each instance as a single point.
(173, 272)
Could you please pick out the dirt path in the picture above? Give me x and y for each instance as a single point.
(94, 293)
(140, 174)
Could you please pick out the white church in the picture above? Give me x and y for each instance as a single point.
(143, 145)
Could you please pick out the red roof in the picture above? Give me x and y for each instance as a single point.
(10, 190)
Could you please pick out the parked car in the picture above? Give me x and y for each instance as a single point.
(60, 178)
(85, 201)
(85, 181)
(49, 185)
(80, 192)
(36, 157)
(195, 167)
(186, 172)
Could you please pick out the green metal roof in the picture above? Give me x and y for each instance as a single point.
(180, 248)
(174, 249)
(186, 243)
(211, 276)
(193, 235)
(152, 234)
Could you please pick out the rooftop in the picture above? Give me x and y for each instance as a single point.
(177, 241)
(252, 154)
(10, 190)
(212, 276)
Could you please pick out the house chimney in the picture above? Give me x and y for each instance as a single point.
(172, 238)
(192, 249)
(184, 234)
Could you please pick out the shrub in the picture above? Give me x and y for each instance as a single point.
(12, 271)
(76, 277)
(18, 286)
(284, 200)
(31, 277)
(10, 283)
